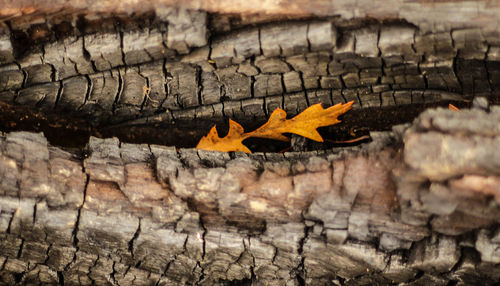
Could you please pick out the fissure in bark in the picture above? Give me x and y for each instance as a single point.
(418, 204)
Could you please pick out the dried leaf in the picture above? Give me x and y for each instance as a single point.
(453, 107)
(304, 124)
(231, 142)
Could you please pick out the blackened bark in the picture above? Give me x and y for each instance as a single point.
(417, 205)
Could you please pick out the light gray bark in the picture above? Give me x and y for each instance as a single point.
(416, 205)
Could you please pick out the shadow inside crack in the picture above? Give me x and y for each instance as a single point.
(69, 131)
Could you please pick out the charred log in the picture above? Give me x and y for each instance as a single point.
(419, 204)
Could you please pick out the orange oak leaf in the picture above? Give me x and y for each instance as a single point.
(453, 107)
(232, 141)
(304, 124)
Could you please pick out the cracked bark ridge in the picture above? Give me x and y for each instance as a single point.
(98, 68)
(391, 211)
(434, 15)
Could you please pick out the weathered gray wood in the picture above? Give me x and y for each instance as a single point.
(379, 213)
(375, 65)
(418, 205)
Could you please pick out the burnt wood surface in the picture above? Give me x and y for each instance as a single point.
(418, 205)
(178, 64)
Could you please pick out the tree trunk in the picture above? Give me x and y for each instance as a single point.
(418, 205)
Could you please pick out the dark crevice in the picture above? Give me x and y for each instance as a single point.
(166, 79)
(200, 86)
(112, 275)
(74, 233)
(260, 41)
(60, 278)
(10, 222)
(485, 67)
(202, 275)
(119, 91)
(264, 107)
(88, 92)
(300, 269)
(419, 275)
(252, 87)
(300, 280)
(131, 132)
(343, 96)
(283, 86)
(394, 97)
(20, 251)
(359, 99)
(24, 73)
(131, 242)
(18, 277)
(223, 110)
(19, 39)
(4, 263)
(34, 213)
(341, 78)
(151, 58)
(53, 71)
(74, 132)
(86, 54)
(424, 77)
(59, 93)
(455, 71)
(303, 88)
(121, 48)
(307, 39)
(89, 271)
(47, 253)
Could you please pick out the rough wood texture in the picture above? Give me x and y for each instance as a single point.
(435, 14)
(195, 64)
(418, 205)
(191, 85)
